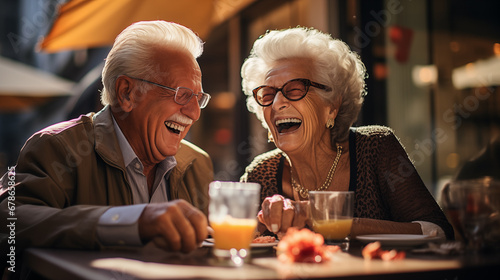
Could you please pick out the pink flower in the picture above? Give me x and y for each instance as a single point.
(304, 246)
(374, 251)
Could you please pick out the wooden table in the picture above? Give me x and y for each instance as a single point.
(152, 263)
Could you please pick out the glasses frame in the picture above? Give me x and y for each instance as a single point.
(202, 102)
(308, 83)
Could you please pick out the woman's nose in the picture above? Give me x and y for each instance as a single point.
(280, 101)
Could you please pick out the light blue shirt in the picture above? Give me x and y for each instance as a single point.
(119, 225)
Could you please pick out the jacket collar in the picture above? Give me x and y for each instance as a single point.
(185, 156)
(106, 142)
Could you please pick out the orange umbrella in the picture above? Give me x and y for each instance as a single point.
(82, 24)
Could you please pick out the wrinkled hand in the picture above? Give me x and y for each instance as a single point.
(173, 226)
(279, 213)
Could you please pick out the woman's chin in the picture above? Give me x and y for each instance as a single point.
(287, 145)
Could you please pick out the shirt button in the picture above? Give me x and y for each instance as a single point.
(137, 165)
(115, 217)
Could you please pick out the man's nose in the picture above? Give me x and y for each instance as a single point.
(192, 108)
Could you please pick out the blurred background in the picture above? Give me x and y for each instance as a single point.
(434, 69)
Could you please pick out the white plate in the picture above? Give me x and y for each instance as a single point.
(209, 242)
(398, 239)
(261, 245)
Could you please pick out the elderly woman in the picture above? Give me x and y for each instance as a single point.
(307, 89)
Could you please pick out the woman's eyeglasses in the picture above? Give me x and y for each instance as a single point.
(292, 90)
(182, 94)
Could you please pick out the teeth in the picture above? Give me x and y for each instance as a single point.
(288, 120)
(175, 126)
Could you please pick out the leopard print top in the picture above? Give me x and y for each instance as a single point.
(386, 184)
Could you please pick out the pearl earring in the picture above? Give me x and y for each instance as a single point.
(330, 123)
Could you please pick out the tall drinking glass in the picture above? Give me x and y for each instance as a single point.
(473, 207)
(232, 214)
(331, 214)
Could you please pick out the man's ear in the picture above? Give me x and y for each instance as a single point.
(123, 90)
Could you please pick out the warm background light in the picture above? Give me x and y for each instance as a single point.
(223, 101)
(452, 160)
(481, 73)
(496, 49)
(424, 75)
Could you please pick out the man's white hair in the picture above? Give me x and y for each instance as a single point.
(132, 51)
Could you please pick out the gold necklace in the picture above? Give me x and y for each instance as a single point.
(303, 192)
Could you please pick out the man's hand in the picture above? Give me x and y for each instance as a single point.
(173, 226)
(278, 213)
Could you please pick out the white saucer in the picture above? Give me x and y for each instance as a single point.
(209, 242)
(398, 239)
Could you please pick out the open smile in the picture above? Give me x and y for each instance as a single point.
(175, 127)
(288, 125)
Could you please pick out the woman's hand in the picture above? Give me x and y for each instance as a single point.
(279, 213)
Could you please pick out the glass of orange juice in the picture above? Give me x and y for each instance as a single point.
(331, 215)
(232, 214)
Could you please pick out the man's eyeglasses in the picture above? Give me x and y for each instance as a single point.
(182, 94)
(292, 90)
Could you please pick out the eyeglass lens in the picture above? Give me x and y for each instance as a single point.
(292, 90)
(183, 95)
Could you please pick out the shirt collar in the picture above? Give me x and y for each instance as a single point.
(127, 151)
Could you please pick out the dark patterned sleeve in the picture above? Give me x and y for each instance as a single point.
(407, 197)
(264, 170)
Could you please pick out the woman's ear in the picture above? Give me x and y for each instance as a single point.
(334, 107)
(332, 114)
(123, 90)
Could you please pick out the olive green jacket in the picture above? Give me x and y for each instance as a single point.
(70, 173)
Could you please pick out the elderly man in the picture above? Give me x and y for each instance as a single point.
(123, 176)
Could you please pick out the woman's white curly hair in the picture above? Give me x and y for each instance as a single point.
(133, 48)
(334, 65)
